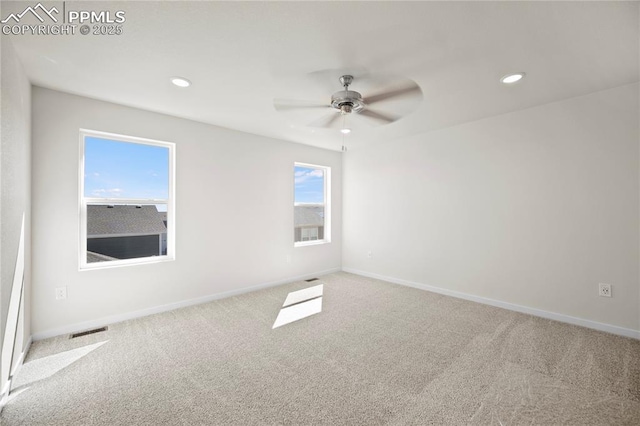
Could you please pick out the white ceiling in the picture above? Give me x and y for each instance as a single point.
(241, 55)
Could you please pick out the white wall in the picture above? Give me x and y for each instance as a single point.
(533, 208)
(234, 211)
(15, 185)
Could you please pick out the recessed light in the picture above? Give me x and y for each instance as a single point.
(180, 82)
(346, 131)
(512, 78)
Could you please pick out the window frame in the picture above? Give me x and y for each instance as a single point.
(83, 202)
(327, 205)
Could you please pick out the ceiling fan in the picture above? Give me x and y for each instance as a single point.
(351, 103)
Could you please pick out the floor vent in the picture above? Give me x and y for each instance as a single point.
(311, 279)
(84, 333)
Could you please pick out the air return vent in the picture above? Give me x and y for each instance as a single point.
(311, 279)
(85, 333)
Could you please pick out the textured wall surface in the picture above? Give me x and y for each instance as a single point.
(535, 208)
(15, 182)
(234, 213)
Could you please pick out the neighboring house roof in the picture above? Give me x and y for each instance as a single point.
(104, 220)
(163, 217)
(308, 216)
(93, 257)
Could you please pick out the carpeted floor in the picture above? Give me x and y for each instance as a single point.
(378, 353)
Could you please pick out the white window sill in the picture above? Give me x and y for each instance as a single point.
(311, 243)
(126, 262)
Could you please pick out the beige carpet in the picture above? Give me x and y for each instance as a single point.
(378, 353)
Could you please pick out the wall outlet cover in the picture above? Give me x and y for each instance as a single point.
(604, 290)
(61, 293)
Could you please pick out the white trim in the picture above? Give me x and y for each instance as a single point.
(84, 201)
(13, 328)
(126, 262)
(311, 243)
(4, 395)
(73, 328)
(126, 201)
(121, 235)
(613, 329)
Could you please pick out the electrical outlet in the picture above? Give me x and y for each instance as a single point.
(369, 254)
(61, 293)
(288, 258)
(604, 290)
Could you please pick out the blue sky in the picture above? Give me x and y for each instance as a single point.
(309, 185)
(116, 169)
(125, 170)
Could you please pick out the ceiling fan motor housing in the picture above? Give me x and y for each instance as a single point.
(347, 101)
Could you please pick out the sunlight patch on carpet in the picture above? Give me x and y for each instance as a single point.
(42, 368)
(300, 304)
(304, 294)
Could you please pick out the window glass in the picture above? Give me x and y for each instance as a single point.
(126, 204)
(115, 169)
(311, 203)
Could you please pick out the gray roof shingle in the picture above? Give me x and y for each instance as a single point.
(93, 257)
(308, 215)
(121, 220)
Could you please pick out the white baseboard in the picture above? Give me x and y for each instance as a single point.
(621, 331)
(74, 328)
(6, 388)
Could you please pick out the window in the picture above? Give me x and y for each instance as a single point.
(309, 234)
(126, 200)
(311, 209)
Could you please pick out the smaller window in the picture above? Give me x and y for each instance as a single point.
(311, 209)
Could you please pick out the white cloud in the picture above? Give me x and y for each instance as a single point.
(304, 175)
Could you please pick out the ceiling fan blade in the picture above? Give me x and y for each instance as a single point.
(327, 120)
(290, 104)
(383, 118)
(409, 89)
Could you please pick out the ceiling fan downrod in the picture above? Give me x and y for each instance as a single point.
(346, 80)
